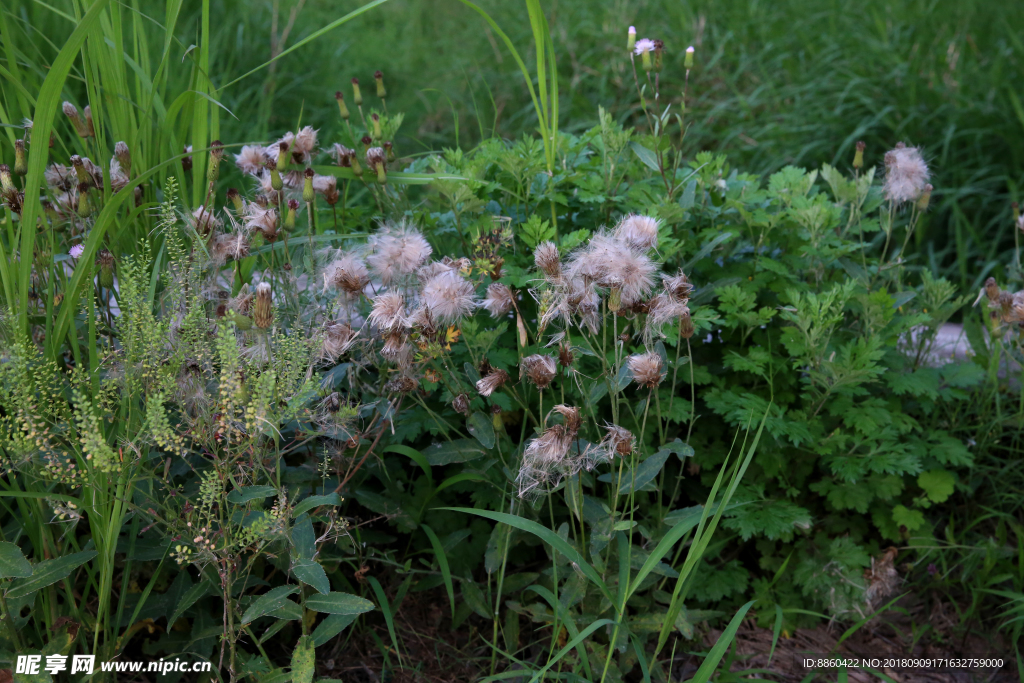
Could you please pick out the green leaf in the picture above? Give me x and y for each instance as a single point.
(49, 572)
(311, 502)
(312, 574)
(304, 538)
(442, 562)
(636, 479)
(937, 484)
(474, 597)
(13, 563)
(450, 452)
(481, 427)
(191, 596)
(911, 519)
(303, 660)
(645, 155)
(710, 663)
(339, 603)
(331, 626)
(271, 601)
(244, 495)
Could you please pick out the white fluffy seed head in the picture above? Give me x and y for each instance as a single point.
(499, 300)
(250, 159)
(397, 251)
(539, 369)
(647, 369)
(449, 296)
(388, 312)
(639, 232)
(906, 174)
(347, 273)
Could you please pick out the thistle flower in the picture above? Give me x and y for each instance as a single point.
(639, 232)
(647, 369)
(461, 404)
(547, 259)
(449, 296)
(424, 322)
(251, 159)
(235, 197)
(263, 309)
(388, 312)
(378, 76)
(539, 369)
(663, 309)
(335, 340)
(565, 355)
(499, 300)
(203, 220)
(76, 251)
(686, 328)
(618, 440)
(631, 38)
(357, 95)
(234, 246)
(397, 251)
(394, 345)
(492, 381)
(375, 121)
(688, 59)
(347, 273)
(213, 165)
(308, 193)
(71, 111)
(906, 174)
(643, 48)
(325, 184)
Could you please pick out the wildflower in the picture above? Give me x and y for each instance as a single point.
(565, 355)
(647, 369)
(639, 232)
(397, 251)
(204, 221)
(76, 251)
(906, 174)
(631, 39)
(388, 312)
(449, 296)
(336, 339)
(547, 259)
(664, 309)
(539, 369)
(492, 381)
(71, 111)
(643, 49)
(342, 108)
(461, 404)
(325, 184)
(105, 262)
(20, 162)
(423, 321)
(250, 159)
(546, 459)
(376, 159)
(347, 272)
(499, 300)
(263, 309)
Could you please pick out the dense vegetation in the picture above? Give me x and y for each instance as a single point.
(271, 383)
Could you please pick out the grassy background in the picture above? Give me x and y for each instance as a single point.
(787, 82)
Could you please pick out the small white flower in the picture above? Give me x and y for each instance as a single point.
(643, 45)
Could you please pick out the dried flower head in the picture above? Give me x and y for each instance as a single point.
(647, 369)
(539, 369)
(394, 347)
(402, 384)
(396, 252)
(461, 404)
(388, 312)
(336, 339)
(663, 309)
(498, 301)
(618, 440)
(678, 286)
(882, 578)
(906, 174)
(342, 155)
(261, 219)
(547, 259)
(492, 381)
(303, 145)
(347, 273)
(229, 246)
(547, 459)
(203, 220)
(449, 296)
(251, 159)
(60, 177)
(639, 232)
(565, 355)
(263, 309)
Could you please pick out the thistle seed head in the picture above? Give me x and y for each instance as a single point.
(647, 369)
(906, 174)
(499, 300)
(539, 369)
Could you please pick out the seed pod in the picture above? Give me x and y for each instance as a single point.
(648, 369)
(342, 108)
(686, 328)
(105, 262)
(539, 369)
(263, 308)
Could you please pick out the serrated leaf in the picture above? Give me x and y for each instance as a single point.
(339, 603)
(911, 519)
(312, 574)
(244, 495)
(272, 600)
(459, 450)
(937, 484)
(191, 596)
(303, 660)
(481, 428)
(13, 563)
(304, 538)
(49, 572)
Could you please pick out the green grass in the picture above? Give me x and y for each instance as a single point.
(790, 82)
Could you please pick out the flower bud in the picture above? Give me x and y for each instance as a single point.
(6, 182)
(631, 39)
(289, 219)
(71, 111)
(282, 154)
(858, 156)
(308, 194)
(263, 308)
(376, 159)
(105, 262)
(84, 207)
(123, 157)
(659, 49)
(390, 149)
(81, 172)
(376, 126)
(357, 168)
(367, 143)
(357, 96)
(275, 178)
(925, 198)
(379, 78)
(645, 60)
(688, 60)
(342, 108)
(235, 197)
(686, 328)
(90, 130)
(20, 162)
